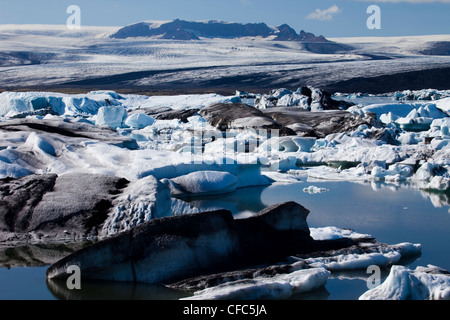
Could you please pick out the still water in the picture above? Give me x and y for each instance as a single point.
(391, 214)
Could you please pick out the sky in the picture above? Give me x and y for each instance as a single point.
(337, 18)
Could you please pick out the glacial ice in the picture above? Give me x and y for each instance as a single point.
(314, 190)
(331, 233)
(166, 146)
(281, 286)
(40, 145)
(13, 103)
(423, 283)
(202, 183)
(307, 274)
(111, 116)
(142, 201)
(139, 121)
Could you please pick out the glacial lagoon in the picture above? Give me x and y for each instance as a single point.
(390, 213)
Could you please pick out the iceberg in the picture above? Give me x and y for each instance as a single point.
(202, 183)
(139, 121)
(15, 103)
(112, 116)
(314, 190)
(281, 286)
(38, 144)
(430, 283)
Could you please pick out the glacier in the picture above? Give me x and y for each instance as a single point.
(166, 156)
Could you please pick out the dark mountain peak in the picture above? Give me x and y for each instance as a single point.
(310, 37)
(192, 30)
(286, 33)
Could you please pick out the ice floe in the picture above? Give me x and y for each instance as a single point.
(405, 155)
(423, 283)
(314, 189)
(282, 286)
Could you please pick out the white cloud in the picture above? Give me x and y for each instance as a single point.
(410, 1)
(326, 14)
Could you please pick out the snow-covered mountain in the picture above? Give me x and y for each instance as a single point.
(43, 57)
(213, 29)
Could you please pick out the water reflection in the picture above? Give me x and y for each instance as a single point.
(106, 290)
(242, 203)
(391, 212)
(248, 201)
(438, 199)
(37, 255)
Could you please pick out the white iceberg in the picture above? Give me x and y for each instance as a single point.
(202, 182)
(13, 103)
(332, 233)
(142, 201)
(112, 116)
(281, 286)
(139, 121)
(315, 190)
(405, 284)
(375, 254)
(38, 144)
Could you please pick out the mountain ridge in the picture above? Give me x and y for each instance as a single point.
(194, 30)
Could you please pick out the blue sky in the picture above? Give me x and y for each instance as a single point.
(330, 18)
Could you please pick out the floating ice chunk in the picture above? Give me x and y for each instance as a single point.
(77, 105)
(293, 100)
(202, 182)
(303, 144)
(39, 144)
(12, 170)
(13, 166)
(395, 109)
(180, 207)
(284, 177)
(142, 201)
(356, 261)
(283, 164)
(314, 190)
(408, 138)
(288, 144)
(316, 106)
(434, 174)
(396, 172)
(388, 118)
(381, 256)
(431, 111)
(12, 103)
(442, 125)
(281, 286)
(439, 183)
(264, 102)
(405, 284)
(439, 143)
(184, 102)
(444, 105)
(280, 93)
(139, 121)
(112, 94)
(112, 116)
(332, 233)
(322, 144)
